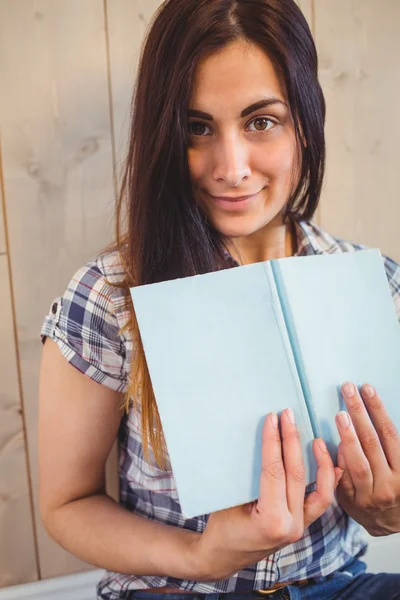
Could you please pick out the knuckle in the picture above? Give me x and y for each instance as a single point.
(376, 403)
(346, 485)
(389, 431)
(385, 498)
(292, 435)
(279, 532)
(296, 534)
(368, 440)
(361, 471)
(272, 436)
(299, 473)
(326, 499)
(276, 470)
(357, 406)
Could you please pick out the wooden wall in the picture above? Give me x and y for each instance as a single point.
(67, 69)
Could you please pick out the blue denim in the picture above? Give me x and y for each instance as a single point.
(351, 582)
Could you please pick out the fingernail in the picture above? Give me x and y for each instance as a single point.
(368, 390)
(322, 445)
(274, 420)
(348, 390)
(290, 415)
(343, 419)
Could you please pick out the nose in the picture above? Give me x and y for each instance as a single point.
(231, 162)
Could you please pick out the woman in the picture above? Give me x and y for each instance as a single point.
(225, 167)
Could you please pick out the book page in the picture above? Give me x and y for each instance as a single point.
(219, 365)
(346, 328)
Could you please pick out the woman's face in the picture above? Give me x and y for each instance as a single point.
(242, 141)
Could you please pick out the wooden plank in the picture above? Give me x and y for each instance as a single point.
(57, 162)
(307, 7)
(358, 46)
(127, 24)
(17, 550)
(2, 234)
(2, 230)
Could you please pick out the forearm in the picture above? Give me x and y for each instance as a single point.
(103, 533)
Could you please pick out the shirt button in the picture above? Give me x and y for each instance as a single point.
(54, 308)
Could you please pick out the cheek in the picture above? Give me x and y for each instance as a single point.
(275, 160)
(197, 165)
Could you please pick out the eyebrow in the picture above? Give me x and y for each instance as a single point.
(245, 113)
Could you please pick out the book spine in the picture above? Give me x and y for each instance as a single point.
(290, 327)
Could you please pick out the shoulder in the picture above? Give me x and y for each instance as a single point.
(89, 321)
(322, 242)
(98, 288)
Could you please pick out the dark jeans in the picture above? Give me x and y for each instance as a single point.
(351, 582)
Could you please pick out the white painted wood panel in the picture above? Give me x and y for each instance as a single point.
(2, 233)
(127, 25)
(17, 551)
(57, 161)
(359, 45)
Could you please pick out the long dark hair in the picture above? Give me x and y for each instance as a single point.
(161, 231)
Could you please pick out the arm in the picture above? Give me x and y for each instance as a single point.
(78, 424)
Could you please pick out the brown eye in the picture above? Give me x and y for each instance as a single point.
(197, 129)
(261, 124)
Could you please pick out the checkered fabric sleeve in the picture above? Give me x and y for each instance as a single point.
(85, 323)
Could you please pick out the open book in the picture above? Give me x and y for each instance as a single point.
(226, 348)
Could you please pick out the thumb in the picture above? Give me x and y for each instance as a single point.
(338, 475)
(346, 482)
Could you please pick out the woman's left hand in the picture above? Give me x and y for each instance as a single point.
(369, 453)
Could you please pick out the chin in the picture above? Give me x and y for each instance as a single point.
(244, 225)
(237, 227)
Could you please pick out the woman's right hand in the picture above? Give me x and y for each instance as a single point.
(242, 536)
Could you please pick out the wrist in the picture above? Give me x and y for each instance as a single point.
(204, 562)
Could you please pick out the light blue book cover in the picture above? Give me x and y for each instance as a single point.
(226, 348)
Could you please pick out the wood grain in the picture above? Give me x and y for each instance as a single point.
(17, 552)
(358, 45)
(57, 162)
(2, 230)
(2, 234)
(127, 25)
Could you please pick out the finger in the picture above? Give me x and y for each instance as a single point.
(355, 458)
(273, 479)
(318, 501)
(366, 432)
(384, 426)
(338, 475)
(346, 482)
(294, 464)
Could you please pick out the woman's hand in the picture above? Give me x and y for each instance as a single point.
(244, 535)
(369, 453)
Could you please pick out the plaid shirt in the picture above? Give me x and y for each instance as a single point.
(85, 323)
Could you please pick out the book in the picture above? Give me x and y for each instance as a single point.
(226, 348)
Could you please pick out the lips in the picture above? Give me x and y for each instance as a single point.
(233, 199)
(233, 204)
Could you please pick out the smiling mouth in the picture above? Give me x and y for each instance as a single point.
(234, 204)
(233, 198)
